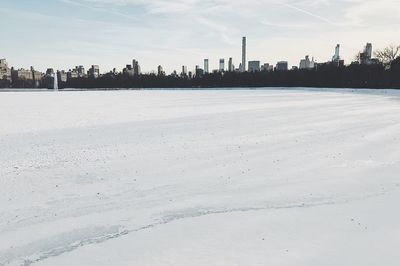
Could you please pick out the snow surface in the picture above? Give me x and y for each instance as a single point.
(241, 177)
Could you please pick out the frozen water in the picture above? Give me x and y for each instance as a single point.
(263, 177)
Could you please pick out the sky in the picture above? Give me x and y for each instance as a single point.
(110, 33)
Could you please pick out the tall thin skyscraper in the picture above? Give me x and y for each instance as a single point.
(368, 50)
(206, 66)
(243, 55)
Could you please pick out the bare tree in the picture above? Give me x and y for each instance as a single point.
(388, 55)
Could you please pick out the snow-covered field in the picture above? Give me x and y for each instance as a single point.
(264, 177)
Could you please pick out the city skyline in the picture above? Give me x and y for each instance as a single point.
(365, 57)
(109, 33)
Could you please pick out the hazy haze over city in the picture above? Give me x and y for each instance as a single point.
(110, 33)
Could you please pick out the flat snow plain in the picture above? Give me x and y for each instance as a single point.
(227, 177)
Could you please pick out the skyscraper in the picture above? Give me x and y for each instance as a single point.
(306, 63)
(206, 71)
(368, 50)
(135, 67)
(254, 66)
(336, 57)
(231, 68)
(267, 67)
(199, 72)
(94, 71)
(243, 55)
(160, 71)
(81, 71)
(184, 71)
(366, 56)
(128, 70)
(222, 65)
(282, 66)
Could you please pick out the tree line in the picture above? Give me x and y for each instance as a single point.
(325, 75)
